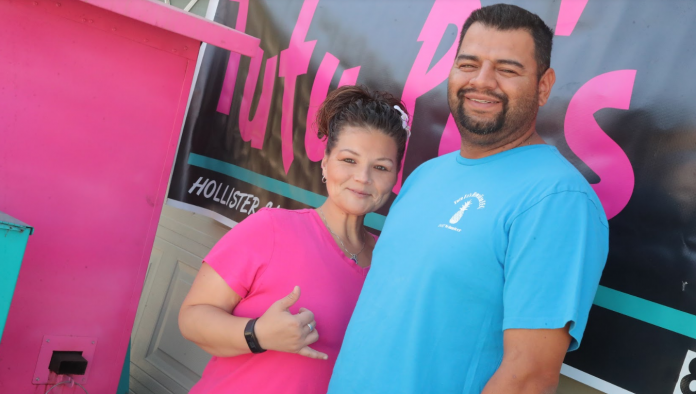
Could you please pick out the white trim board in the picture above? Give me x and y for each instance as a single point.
(592, 381)
(201, 211)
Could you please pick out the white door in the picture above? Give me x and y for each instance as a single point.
(162, 361)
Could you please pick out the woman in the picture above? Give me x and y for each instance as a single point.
(239, 307)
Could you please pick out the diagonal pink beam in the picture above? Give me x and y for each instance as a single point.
(178, 21)
(568, 16)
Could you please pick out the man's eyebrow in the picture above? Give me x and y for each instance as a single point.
(473, 58)
(510, 62)
(467, 57)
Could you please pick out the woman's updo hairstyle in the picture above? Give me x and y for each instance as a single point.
(359, 106)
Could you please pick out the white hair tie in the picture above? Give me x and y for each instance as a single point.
(404, 121)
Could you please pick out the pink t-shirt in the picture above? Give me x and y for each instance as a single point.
(262, 259)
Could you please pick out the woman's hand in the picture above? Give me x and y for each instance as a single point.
(278, 329)
(206, 319)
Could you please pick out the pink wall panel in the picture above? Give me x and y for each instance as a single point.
(89, 122)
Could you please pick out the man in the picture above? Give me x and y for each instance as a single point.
(490, 258)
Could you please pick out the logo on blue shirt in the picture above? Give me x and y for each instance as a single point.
(467, 200)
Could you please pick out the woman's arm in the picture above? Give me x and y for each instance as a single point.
(205, 318)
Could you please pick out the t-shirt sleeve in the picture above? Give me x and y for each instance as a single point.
(556, 253)
(243, 254)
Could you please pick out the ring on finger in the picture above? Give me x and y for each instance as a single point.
(311, 327)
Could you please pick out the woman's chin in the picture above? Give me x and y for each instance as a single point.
(358, 212)
(356, 209)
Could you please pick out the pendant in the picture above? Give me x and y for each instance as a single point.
(354, 257)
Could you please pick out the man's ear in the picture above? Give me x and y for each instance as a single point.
(545, 84)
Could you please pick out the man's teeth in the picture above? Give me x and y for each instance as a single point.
(481, 101)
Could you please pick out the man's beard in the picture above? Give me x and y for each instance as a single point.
(507, 119)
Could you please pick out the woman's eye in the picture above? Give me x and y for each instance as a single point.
(382, 168)
(349, 161)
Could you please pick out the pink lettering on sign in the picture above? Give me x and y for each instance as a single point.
(320, 89)
(568, 16)
(225, 100)
(421, 79)
(593, 146)
(451, 140)
(349, 77)
(255, 129)
(294, 61)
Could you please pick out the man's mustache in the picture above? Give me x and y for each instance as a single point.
(501, 97)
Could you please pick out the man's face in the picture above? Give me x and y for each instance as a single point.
(493, 91)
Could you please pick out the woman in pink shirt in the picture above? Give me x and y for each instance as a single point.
(245, 307)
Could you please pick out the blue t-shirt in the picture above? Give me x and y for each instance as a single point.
(472, 247)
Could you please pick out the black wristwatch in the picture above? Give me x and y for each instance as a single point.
(250, 337)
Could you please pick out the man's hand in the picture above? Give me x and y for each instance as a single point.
(278, 329)
(531, 362)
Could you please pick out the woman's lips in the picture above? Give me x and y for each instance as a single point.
(359, 193)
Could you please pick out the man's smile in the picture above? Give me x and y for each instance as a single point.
(481, 102)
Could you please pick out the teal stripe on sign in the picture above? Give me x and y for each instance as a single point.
(373, 220)
(650, 312)
(625, 304)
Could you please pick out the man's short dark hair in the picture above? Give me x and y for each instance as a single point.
(511, 17)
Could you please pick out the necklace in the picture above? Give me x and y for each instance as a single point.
(353, 256)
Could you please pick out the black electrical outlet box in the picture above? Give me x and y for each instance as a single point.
(67, 363)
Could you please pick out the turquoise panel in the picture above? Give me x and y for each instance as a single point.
(13, 241)
(124, 381)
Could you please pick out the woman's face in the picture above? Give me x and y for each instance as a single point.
(361, 170)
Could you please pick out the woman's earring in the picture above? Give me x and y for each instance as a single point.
(323, 179)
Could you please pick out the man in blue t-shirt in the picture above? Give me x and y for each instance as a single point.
(490, 257)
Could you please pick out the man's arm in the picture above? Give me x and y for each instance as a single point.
(531, 362)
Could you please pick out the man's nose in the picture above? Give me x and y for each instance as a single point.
(485, 79)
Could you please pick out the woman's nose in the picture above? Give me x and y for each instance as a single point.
(363, 174)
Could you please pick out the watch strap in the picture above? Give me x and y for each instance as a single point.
(250, 337)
